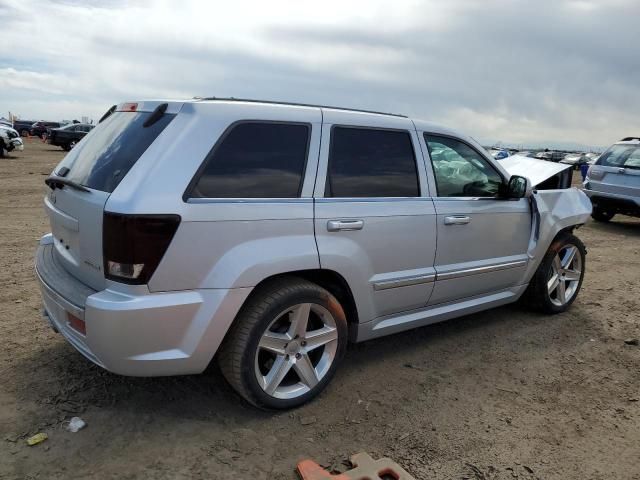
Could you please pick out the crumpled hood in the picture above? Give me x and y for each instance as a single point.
(534, 169)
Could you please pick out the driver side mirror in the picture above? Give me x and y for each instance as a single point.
(519, 187)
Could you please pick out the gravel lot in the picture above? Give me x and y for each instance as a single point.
(498, 395)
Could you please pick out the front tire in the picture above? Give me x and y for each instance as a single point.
(285, 345)
(601, 214)
(557, 282)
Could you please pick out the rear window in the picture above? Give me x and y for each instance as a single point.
(109, 151)
(256, 160)
(623, 156)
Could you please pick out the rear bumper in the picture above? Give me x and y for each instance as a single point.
(612, 200)
(139, 334)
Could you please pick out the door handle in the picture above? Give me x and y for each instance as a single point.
(456, 220)
(344, 225)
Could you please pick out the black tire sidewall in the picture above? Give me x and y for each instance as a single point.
(302, 295)
(602, 215)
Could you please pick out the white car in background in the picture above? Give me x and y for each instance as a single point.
(592, 157)
(9, 140)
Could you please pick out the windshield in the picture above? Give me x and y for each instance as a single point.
(109, 151)
(622, 156)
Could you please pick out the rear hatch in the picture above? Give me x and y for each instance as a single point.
(82, 183)
(617, 171)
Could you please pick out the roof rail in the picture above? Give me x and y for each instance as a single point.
(626, 139)
(251, 100)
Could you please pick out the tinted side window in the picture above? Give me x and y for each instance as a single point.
(460, 171)
(256, 160)
(371, 163)
(627, 156)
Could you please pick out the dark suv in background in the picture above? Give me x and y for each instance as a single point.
(23, 127)
(40, 128)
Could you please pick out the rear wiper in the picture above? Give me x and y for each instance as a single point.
(108, 113)
(155, 115)
(58, 182)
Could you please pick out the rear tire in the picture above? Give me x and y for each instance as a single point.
(557, 282)
(285, 344)
(601, 214)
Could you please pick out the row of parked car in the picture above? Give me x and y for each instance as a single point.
(574, 158)
(55, 133)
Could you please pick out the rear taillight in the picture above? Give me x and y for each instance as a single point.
(133, 245)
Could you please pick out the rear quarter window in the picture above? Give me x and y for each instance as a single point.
(109, 151)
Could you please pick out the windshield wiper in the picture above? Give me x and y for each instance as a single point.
(59, 182)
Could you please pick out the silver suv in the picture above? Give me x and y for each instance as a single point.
(613, 182)
(270, 235)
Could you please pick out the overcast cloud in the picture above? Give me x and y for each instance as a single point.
(523, 72)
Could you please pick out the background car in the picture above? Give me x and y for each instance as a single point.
(499, 154)
(526, 153)
(38, 129)
(23, 127)
(67, 136)
(592, 157)
(551, 156)
(9, 140)
(613, 182)
(575, 159)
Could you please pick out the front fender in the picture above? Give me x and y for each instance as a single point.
(557, 211)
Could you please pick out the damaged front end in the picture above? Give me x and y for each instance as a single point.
(555, 205)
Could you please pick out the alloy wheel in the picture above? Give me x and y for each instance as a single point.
(296, 351)
(564, 278)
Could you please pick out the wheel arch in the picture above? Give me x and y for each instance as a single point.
(331, 281)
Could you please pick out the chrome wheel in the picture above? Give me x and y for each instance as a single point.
(72, 144)
(296, 351)
(564, 278)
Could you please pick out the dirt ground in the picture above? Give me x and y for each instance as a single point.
(498, 395)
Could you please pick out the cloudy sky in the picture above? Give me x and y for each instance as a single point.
(521, 72)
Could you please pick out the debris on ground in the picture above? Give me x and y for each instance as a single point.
(76, 424)
(36, 439)
(363, 467)
(632, 341)
(308, 420)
